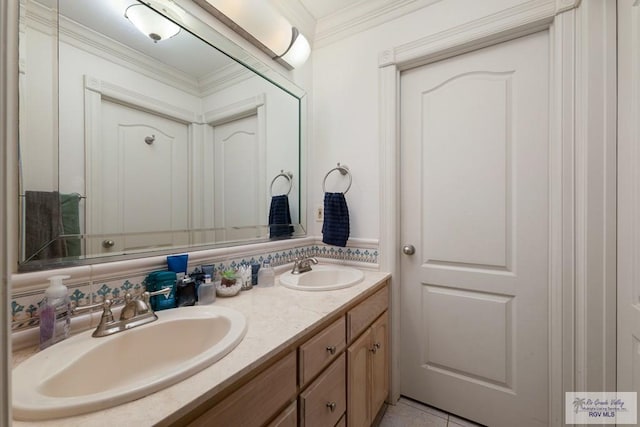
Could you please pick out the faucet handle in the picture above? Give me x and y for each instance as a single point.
(165, 291)
(104, 305)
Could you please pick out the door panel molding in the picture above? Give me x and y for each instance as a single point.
(579, 231)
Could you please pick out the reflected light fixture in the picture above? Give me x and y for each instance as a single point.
(261, 24)
(151, 23)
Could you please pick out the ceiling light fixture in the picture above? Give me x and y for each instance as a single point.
(151, 23)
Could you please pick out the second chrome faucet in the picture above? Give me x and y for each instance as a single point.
(303, 264)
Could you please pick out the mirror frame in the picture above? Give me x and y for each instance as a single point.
(211, 31)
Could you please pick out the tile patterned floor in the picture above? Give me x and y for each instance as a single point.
(409, 413)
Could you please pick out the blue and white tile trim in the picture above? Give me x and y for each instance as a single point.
(92, 284)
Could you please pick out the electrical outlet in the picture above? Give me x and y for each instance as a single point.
(319, 214)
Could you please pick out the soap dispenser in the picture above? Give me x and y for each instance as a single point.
(55, 313)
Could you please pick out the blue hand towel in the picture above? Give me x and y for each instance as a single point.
(335, 229)
(280, 217)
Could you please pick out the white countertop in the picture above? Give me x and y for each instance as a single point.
(276, 318)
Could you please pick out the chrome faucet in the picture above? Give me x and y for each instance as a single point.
(303, 264)
(136, 312)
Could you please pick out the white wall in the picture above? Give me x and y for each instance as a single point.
(346, 103)
(38, 86)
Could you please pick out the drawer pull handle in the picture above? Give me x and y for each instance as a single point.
(331, 349)
(331, 406)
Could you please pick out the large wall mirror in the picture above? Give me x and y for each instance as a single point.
(130, 145)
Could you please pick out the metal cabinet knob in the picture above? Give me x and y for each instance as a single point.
(108, 243)
(331, 349)
(331, 406)
(408, 249)
(375, 348)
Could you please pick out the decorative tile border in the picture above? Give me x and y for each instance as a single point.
(367, 255)
(25, 305)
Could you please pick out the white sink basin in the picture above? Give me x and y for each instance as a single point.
(84, 374)
(322, 278)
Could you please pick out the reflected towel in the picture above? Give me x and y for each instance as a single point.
(43, 225)
(335, 229)
(280, 217)
(70, 211)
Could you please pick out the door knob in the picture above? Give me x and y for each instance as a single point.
(408, 250)
(108, 243)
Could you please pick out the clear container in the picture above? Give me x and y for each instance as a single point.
(206, 293)
(266, 275)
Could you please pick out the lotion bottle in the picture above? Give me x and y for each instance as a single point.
(55, 313)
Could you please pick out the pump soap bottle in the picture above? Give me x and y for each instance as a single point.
(55, 313)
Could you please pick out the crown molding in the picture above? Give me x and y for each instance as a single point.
(45, 20)
(38, 17)
(362, 16)
(83, 38)
(223, 78)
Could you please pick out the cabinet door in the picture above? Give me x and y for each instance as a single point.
(324, 402)
(358, 380)
(287, 418)
(379, 363)
(265, 394)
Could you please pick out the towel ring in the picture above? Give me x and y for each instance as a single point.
(288, 175)
(344, 170)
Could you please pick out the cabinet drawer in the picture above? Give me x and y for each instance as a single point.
(258, 400)
(316, 353)
(361, 316)
(324, 402)
(287, 418)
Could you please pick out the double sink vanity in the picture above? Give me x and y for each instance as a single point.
(269, 357)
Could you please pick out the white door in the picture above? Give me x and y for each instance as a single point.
(628, 197)
(475, 204)
(237, 201)
(139, 180)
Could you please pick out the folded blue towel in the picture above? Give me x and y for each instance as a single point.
(280, 217)
(335, 229)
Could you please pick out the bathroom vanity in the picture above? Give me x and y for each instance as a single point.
(308, 359)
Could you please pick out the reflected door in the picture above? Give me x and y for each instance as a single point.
(236, 171)
(475, 204)
(139, 181)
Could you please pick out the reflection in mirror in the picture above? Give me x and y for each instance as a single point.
(131, 143)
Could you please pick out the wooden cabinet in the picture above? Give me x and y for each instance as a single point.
(379, 363)
(361, 316)
(324, 402)
(336, 375)
(318, 352)
(368, 373)
(287, 418)
(258, 400)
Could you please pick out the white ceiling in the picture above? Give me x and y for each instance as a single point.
(183, 52)
(321, 8)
